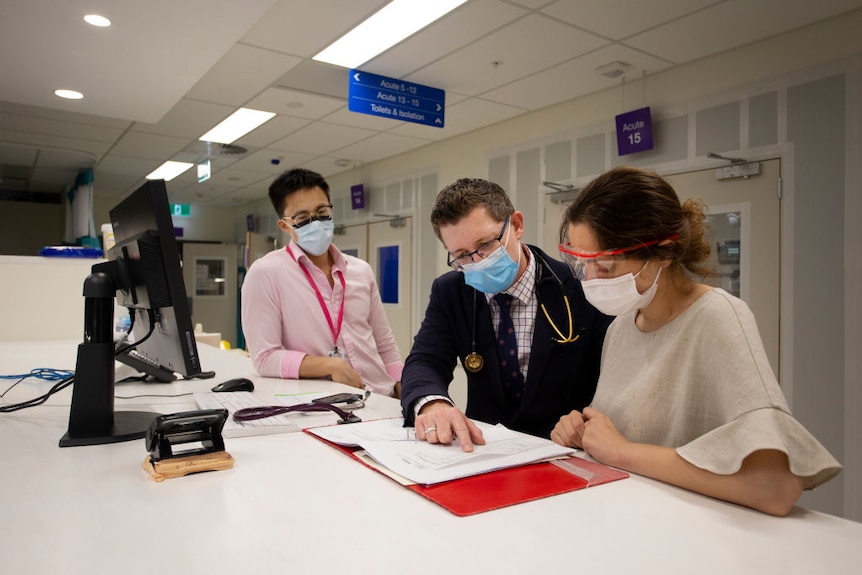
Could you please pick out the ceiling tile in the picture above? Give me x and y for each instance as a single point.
(574, 78)
(189, 119)
(296, 104)
(50, 127)
(271, 131)
(467, 24)
(619, 19)
(305, 28)
(321, 138)
(126, 166)
(242, 74)
(740, 22)
(261, 161)
(472, 71)
(88, 149)
(150, 146)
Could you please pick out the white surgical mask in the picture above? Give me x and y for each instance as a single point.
(315, 237)
(619, 295)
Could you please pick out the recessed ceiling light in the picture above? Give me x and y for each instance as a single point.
(69, 94)
(96, 20)
(169, 170)
(391, 24)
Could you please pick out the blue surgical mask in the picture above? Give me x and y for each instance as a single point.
(315, 237)
(494, 273)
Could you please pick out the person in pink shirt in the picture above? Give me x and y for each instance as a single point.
(310, 311)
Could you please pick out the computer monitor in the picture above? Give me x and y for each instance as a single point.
(143, 272)
(151, 279)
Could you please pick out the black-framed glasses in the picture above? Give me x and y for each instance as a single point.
(322, 213)
(482, 251)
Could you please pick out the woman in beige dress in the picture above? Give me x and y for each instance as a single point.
(686, 394)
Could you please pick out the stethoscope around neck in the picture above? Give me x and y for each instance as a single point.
(474, 362)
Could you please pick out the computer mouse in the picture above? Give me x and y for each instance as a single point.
(237, 384)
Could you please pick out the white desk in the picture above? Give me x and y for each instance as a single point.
(292, 504)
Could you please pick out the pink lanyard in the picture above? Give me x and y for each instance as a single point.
(335, 332)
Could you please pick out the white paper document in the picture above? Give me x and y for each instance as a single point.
(396, 448)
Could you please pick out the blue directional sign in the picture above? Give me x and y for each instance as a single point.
(396, 99)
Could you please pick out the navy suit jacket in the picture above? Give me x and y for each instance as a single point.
(561, 376)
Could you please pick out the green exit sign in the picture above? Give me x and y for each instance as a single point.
(182, 210)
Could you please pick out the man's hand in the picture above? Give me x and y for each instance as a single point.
(569, 431)
(440, 422)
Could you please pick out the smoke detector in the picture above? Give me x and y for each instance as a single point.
(614, 69)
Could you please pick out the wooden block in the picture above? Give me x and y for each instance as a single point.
(179, 466)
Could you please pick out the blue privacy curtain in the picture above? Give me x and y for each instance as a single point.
(80, 218)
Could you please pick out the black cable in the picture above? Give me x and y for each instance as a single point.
(59, 386)
(151, 314)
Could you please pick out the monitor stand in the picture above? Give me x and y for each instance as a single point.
(92, 419)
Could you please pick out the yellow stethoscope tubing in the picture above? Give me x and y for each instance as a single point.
(563, 339)
(474, 362)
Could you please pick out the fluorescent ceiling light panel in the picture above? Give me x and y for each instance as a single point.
(169, 170)
(237, 125)
(394, 22)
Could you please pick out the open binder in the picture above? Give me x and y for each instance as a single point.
(503, 487)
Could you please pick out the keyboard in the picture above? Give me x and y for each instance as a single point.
(236, 400)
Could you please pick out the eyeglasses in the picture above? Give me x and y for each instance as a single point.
(322, 213)
(604, 263)
(483, 251)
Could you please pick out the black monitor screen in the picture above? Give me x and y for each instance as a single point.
(150, 284)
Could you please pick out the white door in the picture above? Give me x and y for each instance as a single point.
(353, 240)
(390, 253)
(257, 246)
(210, 275)
(744, 216)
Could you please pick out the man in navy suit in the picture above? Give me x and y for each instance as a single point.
(550, 341)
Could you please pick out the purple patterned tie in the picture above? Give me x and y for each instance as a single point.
(507, 351)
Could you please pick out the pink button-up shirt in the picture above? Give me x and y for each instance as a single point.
(283, 322)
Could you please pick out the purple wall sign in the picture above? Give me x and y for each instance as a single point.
(634, 132)
(249, 222)
(357, 196)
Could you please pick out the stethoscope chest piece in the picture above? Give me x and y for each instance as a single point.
(473, 362)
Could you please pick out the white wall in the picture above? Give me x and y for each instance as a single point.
(43, 298)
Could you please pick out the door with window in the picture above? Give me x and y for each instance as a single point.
(387, 247)
(210, 275)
